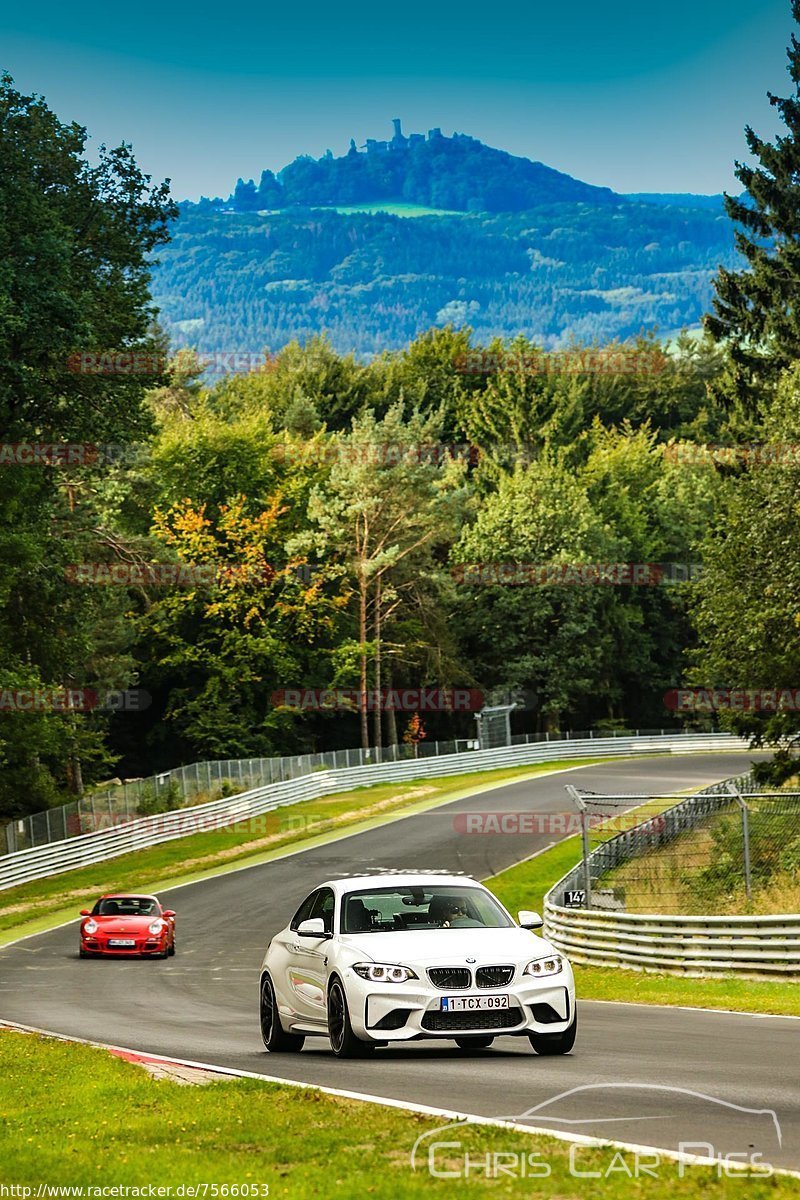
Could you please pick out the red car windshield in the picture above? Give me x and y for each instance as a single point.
(126, 906)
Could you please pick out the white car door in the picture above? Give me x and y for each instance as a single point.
(307, 961)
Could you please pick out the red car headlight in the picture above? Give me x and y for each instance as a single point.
(90, 927)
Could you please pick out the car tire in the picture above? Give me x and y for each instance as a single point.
(474, 1043)
(555, 1043)
(83, 953)
(344, 1042)
(171, 950)
(274, 1036)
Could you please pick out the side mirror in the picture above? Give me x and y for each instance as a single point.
(530, 920)
(168, 913)
(313, 927)
(85, 912)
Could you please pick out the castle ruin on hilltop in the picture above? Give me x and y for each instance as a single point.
(400, 141)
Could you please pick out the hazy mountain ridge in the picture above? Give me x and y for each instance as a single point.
(588, 265)
(679, 199)
(455, 173)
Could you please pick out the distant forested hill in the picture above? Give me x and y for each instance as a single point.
(681, 199)
(528, 250)
(457, 172)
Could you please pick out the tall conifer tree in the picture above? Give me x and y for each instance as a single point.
(757, 309)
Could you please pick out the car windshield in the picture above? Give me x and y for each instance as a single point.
(126, 906)
(382, 910)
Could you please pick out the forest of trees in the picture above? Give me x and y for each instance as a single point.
(371, 282)
(341, 508)
(440, 515)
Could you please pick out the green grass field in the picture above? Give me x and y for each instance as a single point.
(399, 209)
(76, 1116)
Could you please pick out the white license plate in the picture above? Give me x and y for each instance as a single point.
(121, 942)
(472, 1003)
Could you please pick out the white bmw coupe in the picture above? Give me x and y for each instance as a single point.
(380, 958)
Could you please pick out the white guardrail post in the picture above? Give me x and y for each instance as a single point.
(135, 834)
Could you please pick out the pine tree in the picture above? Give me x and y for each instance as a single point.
(757, 309)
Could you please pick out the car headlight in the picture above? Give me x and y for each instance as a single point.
(156, 927)
(545, 966)
(384, 972)
(90, 927)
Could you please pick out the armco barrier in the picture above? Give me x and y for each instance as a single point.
(197, 783)
(51, 859)
(711, 946)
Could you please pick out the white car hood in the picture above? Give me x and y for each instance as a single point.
(449, 947)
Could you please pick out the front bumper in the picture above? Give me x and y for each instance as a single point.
(405, 1012)
(142, 948)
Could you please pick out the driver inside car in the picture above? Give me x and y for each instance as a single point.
(456, 915)
(452, 913)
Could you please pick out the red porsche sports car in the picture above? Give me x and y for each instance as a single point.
(124, 924)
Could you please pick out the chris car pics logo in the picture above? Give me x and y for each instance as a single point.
(696, 1129)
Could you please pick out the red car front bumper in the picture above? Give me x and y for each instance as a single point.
(142, 947)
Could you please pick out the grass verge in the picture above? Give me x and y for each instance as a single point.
(781, 997)
(74, 1116)
(525, 885)
(36, 906)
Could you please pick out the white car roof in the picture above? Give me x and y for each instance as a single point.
(356, 883)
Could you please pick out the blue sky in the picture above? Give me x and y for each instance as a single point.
(637, 97)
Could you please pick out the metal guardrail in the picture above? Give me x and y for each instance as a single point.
(196, 783)
(694, 946)
(71, 853)
(199, 783)
(750, 946)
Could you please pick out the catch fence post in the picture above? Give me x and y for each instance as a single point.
(575, 796)
(748, 883)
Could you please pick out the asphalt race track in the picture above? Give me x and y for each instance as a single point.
(203, 1005)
